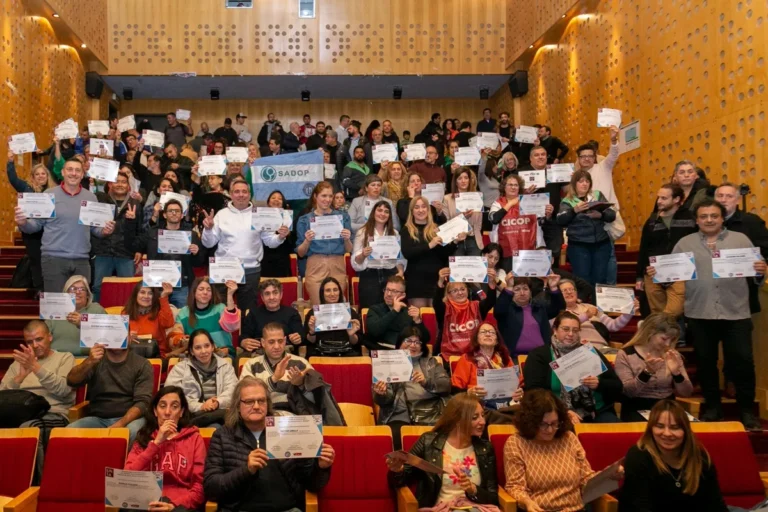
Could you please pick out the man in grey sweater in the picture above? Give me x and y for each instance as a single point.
(66, 244)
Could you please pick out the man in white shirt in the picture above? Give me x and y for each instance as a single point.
(342, 129)
(231, 229)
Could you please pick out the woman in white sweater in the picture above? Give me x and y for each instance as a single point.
(361, 207)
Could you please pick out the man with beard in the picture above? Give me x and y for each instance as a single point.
(388, 134)
(317, 139)
(354, 139)
(428, 169)
(266, 131)
(354, 174)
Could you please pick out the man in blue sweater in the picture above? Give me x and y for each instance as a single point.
(66, 243)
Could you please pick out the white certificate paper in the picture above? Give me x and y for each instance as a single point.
(37, 206)
(183, 115)
(93, 213)
(415, 152)
(526, 134)
(391, 366)
(111, 331)
(487, 140)
(329, 171)
(538, 178)
(212, 165)
(133, 490)
(559, 173)
(611, 299)
(534, 204)
(466, 201)
(499, 383)
(22, 143)
(326, 227)
(385, 152)
(157, 272)
(167, 196)
(98, 128)
(468, 269)
(173, 242)
(385, 248)
(104, 169)
(99, 146)
(433, 192)
(67, 129)
(153, 138)
(467, 156)
(126, 123)
(531, 263)
(237, 154)
(453, 228)
(221, 270)
(601, 483)
(607, 117)
(332, 317)
(574, 366)
(270, 219)
(294, 437)
(730, 263)
(56, 306)
(673, 267)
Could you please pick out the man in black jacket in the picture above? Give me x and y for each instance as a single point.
(556, 149)
(316, 140)
(386, 321)
(179, 163)
(227, 133)
(266, 131)
(272, 310)
(290, 142)
(486, 124)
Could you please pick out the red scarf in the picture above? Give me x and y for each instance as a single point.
(460, 324)
(516, 232)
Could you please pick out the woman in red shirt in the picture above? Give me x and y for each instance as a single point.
(150, 316)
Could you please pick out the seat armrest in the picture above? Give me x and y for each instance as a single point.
(506, 502)
(406, 501)
(78, 411)
(310, 498)
(605, 503)
(764, 478)
(24, 502)
(211, 506)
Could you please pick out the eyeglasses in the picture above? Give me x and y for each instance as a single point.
(487, 332)
(550, 426)
(586, 157)
(458, 290)
(570, 330)
(76, 289)
(412, 341)
(174, 212)
(253, 401)
(393, 292)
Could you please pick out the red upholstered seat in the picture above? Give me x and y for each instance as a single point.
(355, 291)
(430, 322)
(603, 449)
(18, 459)
(498, 441)
(157, 370)
(350, 378)
(737, 470)
(290, 291)
(115, 291)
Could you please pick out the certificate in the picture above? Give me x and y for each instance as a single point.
(611, 299)
(56, 306)
(326, 227)
(368, 207)
(173, 242)
(602, 483)
(157, 272)
(221, 270)
(111, 331)
(237, 154)
(98, 128)
(433, 192)
(104, 169)
(385, 153)
(102, 146)
(467, 156)
(212, 165)
(126, 123)
(267, 219)
(332, 317)
(153, 138)
(526, 134)
(93, 213)
(607, 117)
(534, 204)
(67, 129)
(531, 263)
(574, 366)
(453, 228)
(329, 171)
(415, 152)
(499, 383)
(466, 201)
(538, 178)
(294, 437)
(473, 142)
(385, 248)
(22, 143)
(559, 173)
(487, 140)
(167, 196)
(673, 267)
(391, 366)
(468, 269)
(183, 115)
(730, 263)
(133, 490)
(37, 206)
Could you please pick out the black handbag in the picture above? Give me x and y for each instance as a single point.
(22, 276)
(18, 406)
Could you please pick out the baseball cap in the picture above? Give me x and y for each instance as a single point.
(240, 114)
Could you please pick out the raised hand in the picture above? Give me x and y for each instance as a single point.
(19, 217)
(281, 368)
(208, 219)
(96, 353)
(167, 290)
(130, 211)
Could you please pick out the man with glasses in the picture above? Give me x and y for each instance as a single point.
(386, 321)
(429, 169)
(271, 311)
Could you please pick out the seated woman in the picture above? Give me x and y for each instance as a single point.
(418, 401)
(454, 444)
(168, 435)
(204, 310)
(668, 470)
(238, 473)
(544, 463)
(277, 261)
(207, 380)
(66, 333)
(341, 342)
(361, 206)
(458, 317)
(150, 317)
(487, 353)
(593, 401)
(650, 368)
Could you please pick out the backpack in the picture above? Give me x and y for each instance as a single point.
(18, 406)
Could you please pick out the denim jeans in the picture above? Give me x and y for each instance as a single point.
(179, 297)
(613, 266)
(94, 422)
(590, 261)
(103, 266)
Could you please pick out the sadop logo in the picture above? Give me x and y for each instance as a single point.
(268, 174)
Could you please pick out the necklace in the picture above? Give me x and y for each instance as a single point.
(677, 480)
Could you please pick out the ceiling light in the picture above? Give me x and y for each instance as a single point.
(55, 15)
(564, 15)
(83, 46)
(530, 46)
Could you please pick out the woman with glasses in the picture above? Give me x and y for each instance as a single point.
(464, 181)
(66, 333)
(419, 401)
(544, 463)
(337, 342)
(591, 402)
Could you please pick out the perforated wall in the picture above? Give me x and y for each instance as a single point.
(88, 19)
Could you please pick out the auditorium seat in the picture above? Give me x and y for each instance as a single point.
(498, 435)
(114, 310)
(356, 415)
(294, 266)
(73, 476)
(242, 362)
(409, 434)
(350, 377)
(429, 319)
(452, 362)
(364, 318)
(290, 291)
(18, 449)
(491, 319)
(207, 434)
(355, 291)
(348, 266)
(115, 291)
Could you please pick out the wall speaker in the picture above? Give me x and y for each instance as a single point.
(127, 93)
(518, 84)
(397, 93)
(215, 94)
(484, 92)
(93, 85)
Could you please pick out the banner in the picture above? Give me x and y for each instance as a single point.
(293, 174)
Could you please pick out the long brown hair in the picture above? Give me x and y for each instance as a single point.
(132, 306)
(575, 178)
(369, 228)
(316, 191)
(693, 456)
(430, 230)
(232, 416)
(457, 414)
(192, 303)
(472, 179)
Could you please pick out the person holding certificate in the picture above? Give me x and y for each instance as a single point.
(387, 320)
(66, 333)
(418, 401)
(361, 207)
(464, 181)
(168, 442)
(238, 473)
(591, 402)
(395, 181)
(413, 189)
(277, 261)
(271, 310)
(488, 181)
(204, 310)
(338, 342)
(153, 207)
(150, 317)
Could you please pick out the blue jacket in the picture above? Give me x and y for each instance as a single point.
(509, 316)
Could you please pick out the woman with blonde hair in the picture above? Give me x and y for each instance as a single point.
(464, 181)
(395, 181)
(650, 368)
(668, 469)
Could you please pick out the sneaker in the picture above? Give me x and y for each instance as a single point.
(751, 422)
(712, 414)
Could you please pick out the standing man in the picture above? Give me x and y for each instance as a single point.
(241, 128)
(226, 133)
(266, 130)
(354, 174)
(556, 149)
(686, 176)
(341, 131)
(661, 232)
(465, 133)
(316, 140)
(428, 168)
(332, 145)
(486, 124)
(179, 163)
(66, 244)
(388, 133)
(718, 310)
(176, 133)
(306, 130)
(291, 142)
(353, 139)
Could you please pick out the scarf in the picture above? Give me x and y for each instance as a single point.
(206, 372)
(460, 323)
(488, 363)
(363, 169)
(581, 400)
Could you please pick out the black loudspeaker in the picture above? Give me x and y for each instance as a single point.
(93, 84)
(518, 84)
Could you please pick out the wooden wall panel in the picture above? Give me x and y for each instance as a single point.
(88, 20)
(527, 20)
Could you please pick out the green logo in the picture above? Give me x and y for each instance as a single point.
(268, 174)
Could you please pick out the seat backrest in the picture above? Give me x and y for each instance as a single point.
(429, 319)
(409, 434)
(82, 391)
(348, 265)
(207, 434)
(18, 448)
(350, 377)
(294, 266)
(356, 415)
(498, 435)
(290, 291)
(157, 370)
(491, 319)
(364, 317)
(603, 448)
(114, 310)
(355, 291)
(173, 361)
(453, 361)
(242, 362)
(115, 291)
(521, 361)
(737, 469)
